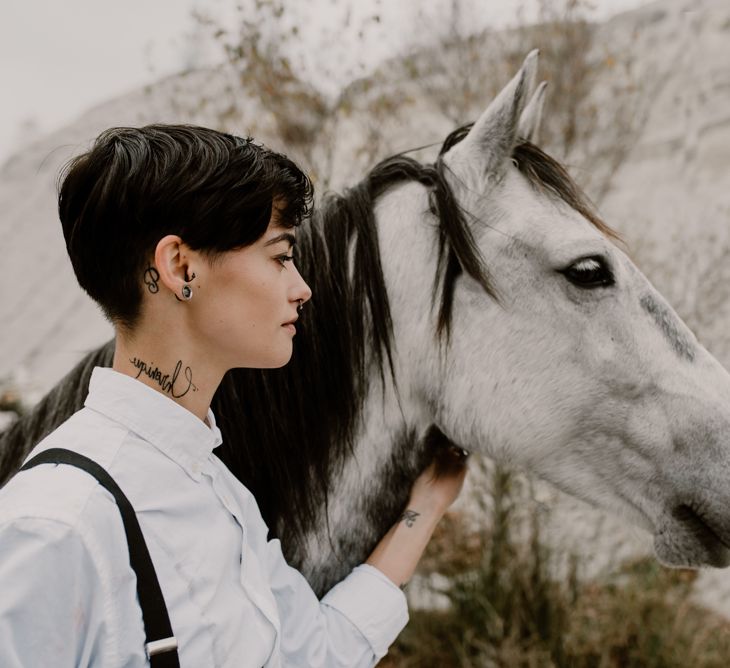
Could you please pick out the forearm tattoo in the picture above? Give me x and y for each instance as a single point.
(409, 517)
(166, 381)
(151, 276)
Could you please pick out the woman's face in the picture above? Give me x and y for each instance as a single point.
(245, 302)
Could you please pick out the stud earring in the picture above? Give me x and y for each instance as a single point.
(187, 292)
(300, 308)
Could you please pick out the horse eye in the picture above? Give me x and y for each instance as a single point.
(589, 272)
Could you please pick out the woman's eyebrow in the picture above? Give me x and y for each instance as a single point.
(282, 237)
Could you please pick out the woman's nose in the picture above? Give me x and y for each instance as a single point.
(305, 293)
(302, 291)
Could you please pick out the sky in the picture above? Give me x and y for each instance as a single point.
(58, 59)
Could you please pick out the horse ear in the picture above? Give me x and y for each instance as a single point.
(490, 142)
(529, 126)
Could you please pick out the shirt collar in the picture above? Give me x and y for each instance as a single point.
(174, 430)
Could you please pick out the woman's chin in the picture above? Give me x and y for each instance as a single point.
(267, 359)
(277, 361)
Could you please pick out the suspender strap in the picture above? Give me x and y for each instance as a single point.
(161, 645)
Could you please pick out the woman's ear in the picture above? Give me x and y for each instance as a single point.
(174, 262)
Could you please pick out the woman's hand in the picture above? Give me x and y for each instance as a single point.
(398, 552)
(439, 485)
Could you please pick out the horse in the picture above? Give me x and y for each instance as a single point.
(476, 301)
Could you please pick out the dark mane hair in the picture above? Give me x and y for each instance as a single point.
(288, 431)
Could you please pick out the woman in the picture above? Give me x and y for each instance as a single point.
(183, 236)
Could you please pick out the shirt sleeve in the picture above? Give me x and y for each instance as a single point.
(351, 627)
(51, 601)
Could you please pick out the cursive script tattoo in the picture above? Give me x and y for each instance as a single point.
(166, 381)
(409, 517)
(151, 276)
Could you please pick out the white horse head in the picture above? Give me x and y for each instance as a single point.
(578, 370)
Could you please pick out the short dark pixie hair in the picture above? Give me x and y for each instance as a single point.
(136, 185)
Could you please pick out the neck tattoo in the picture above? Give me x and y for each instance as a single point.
(167, 381)
(151, 276)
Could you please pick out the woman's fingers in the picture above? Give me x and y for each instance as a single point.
(450, 461)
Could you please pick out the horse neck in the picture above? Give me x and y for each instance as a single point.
(370, 488)
(371, 482)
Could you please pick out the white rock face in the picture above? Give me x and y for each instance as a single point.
(668, 195)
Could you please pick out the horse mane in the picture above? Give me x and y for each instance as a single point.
(308, 412)
(287, 432)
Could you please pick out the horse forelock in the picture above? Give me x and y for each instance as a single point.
(548, 175)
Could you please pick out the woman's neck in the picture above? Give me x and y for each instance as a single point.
(171, 367)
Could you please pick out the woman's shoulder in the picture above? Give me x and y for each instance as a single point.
(61, 493)
(59, 510)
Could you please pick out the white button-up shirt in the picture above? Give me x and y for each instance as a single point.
(67, 591)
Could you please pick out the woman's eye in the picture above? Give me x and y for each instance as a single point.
(589, 272)
(283, 259)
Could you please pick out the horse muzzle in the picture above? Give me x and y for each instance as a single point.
(690, 536)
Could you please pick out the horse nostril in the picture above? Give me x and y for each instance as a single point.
(684, 513)
(696, 524)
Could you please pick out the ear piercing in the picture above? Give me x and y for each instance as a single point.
(187, 291)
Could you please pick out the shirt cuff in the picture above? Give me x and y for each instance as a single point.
(373, 603)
